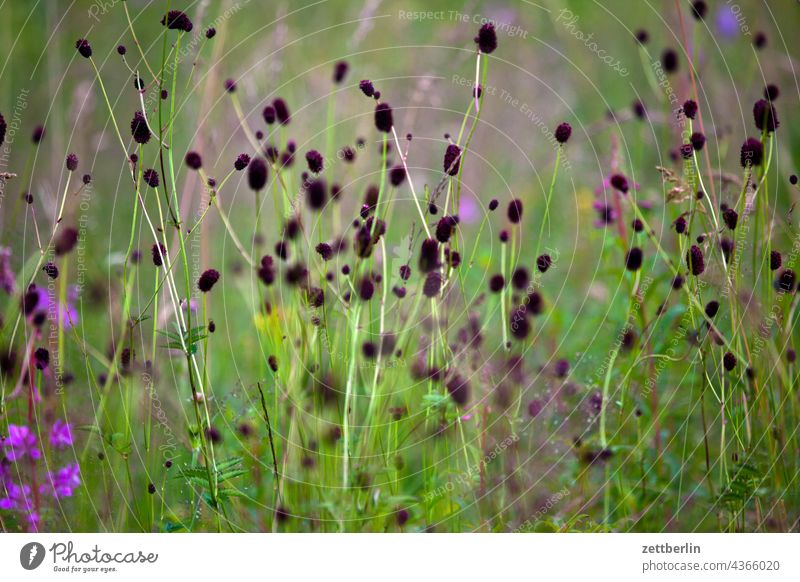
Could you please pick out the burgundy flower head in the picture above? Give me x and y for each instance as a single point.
(765, 116)
(139, 130)
(695, 261)
(383, 117)
(151, 178)
(452, 159)
(177, 20)
(281, 111)
(207, 280)
(752, 153)
(241, 162)
(257, 174)
(193, 160)
(487, 38)
(340, 71)
(84, 48)
(367, 88)
(562, 133)
(315, 161)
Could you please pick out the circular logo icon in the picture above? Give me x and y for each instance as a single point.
(31, 555)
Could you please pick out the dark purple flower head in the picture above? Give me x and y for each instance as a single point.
(159, 252)
(230, 85)
(193, 160)
(543, 263)
(786, 281)
(151, 178)
(51, 269)
(712, 307)
(366, 289)
(619, 182)
(765, 116)
(493, 204)
(699, 9)
(211, 32)
(642, 36)
(729, 361)
(405, 272)
(771, 92)
(367, 87)
(71, 162)
(315, 161)
(340, 71)
(325, 251)
(433, 285)
(690, 109)
(669, 60)
(730, 217)
(775, 260)
(680, 225)
(281, 111)
(41, 358)
(84, 48)
(429, 255)
(633, 260)
(87, 179)
(397, 175)
(66, 241)
(316, 194)
(520, 278)
(686, 151)
(487, 38)
(269, 114)
(241, 162)
(37, 136)
(752, 152)
(452, 159)
(695, 261)
(760, 40)
(121, 50)
(698, 140)
(383, 117)
(496, 283)
(139, 130)
(207, 280)
(639, 109)
(266, 270)
(177, 20)
(257, 174)
(562, 133)
(515, 210)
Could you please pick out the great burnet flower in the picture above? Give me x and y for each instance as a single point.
(207, 280)
(486, 38)
(383, 117)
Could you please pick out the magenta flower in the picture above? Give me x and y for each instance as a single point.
(60, 435)
(62, 482)
(20, 441)
(17, 497)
